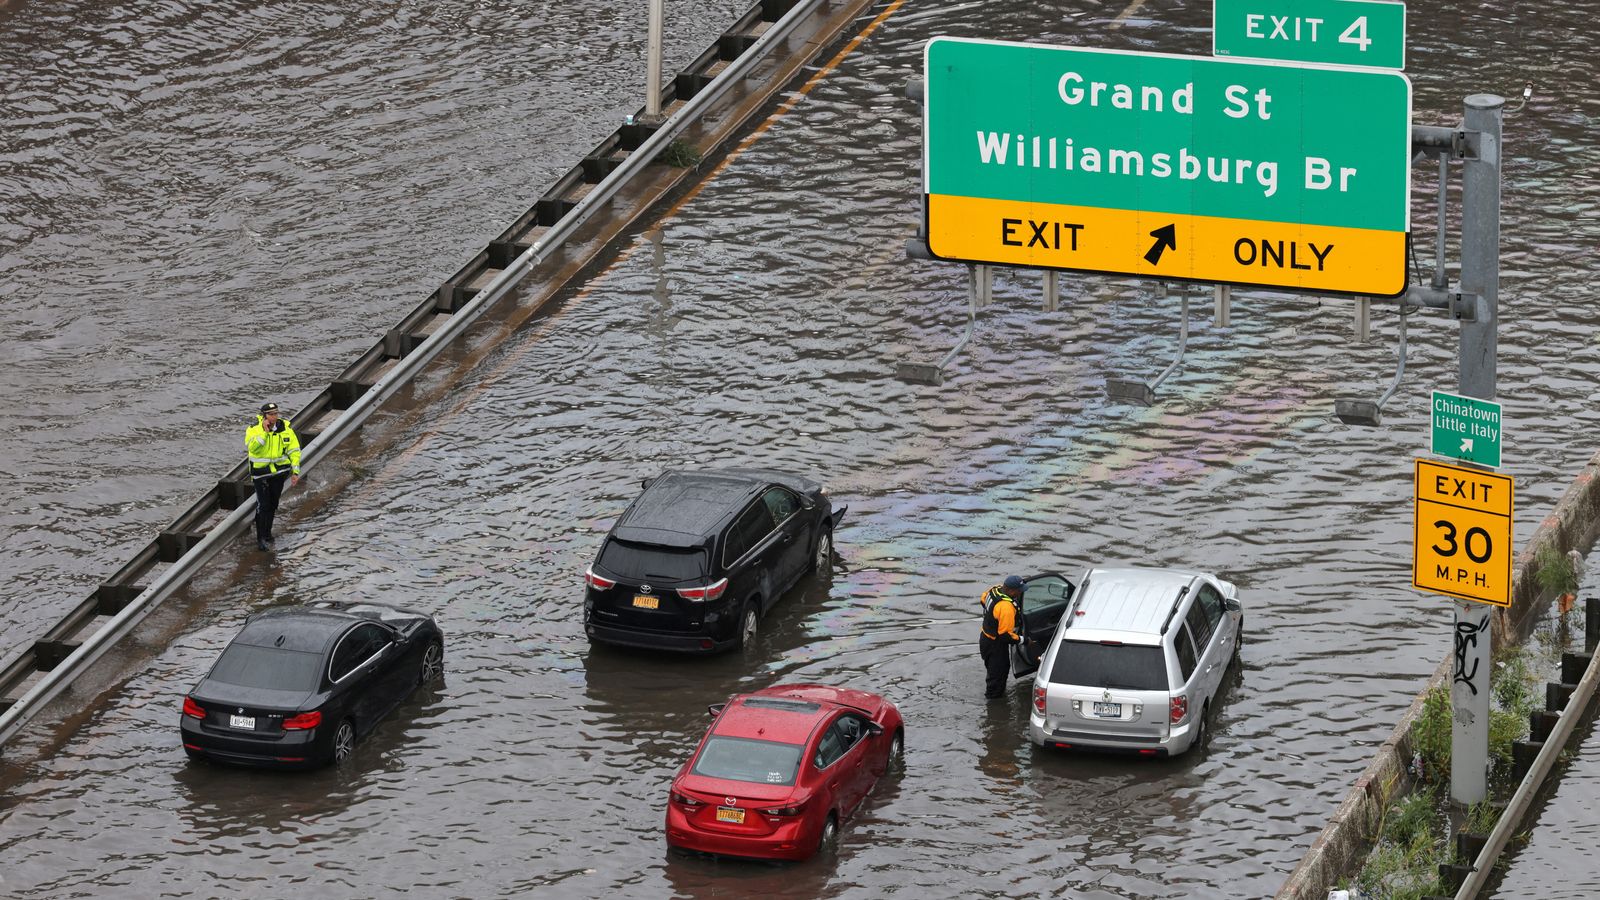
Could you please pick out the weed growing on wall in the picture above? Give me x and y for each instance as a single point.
(680, 155)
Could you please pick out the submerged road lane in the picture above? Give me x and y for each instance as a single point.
(203, 205)
(759, 323)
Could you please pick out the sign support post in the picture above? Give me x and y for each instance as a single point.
(1480, 276)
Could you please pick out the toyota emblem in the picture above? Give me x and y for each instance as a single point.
(644, 588)
(731, 800)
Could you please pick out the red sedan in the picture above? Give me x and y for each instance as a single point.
(779, 769)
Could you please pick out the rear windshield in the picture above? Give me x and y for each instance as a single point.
(1130, 667)
(653, 561)
(742, 759)
(268, 667)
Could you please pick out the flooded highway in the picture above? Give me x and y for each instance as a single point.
(759, 323)
(285, 182)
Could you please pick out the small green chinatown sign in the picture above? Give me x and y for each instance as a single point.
(1466, 428)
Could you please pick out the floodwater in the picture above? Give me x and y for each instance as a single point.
(758, 322)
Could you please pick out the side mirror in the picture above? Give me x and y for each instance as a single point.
(808, 503)
(1230, 604)
(874, 729)
(715, 709)
(644, 483)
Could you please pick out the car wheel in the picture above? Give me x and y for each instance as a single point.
(897, 752)
(748, 621)
(432, 663)
(344, 742)
(829, 841)
(1238, 639)
(194, 755)
(822, 560)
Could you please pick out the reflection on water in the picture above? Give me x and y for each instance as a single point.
(760, 324)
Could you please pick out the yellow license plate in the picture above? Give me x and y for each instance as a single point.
(730, 814)
(646, 602)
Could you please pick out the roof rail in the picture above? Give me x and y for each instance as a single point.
(1077, 600)
(1174, 610)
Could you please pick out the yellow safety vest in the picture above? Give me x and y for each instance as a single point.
(272, 452)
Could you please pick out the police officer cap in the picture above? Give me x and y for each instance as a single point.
(1014, 581)
(268, 407)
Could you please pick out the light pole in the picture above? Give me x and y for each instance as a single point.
(652, 89)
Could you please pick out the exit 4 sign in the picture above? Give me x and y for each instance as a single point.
(1337, 32)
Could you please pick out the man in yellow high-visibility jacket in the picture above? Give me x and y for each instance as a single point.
(274, 451)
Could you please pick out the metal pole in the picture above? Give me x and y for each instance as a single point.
(1052, 290)
(1222, 304)
(1440, 281)
(1480, 276)
(1480, 244)
(652, 84)
(1363, 319)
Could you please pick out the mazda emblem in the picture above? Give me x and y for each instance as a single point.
(731, 800)
(1108, 695)
(644, 588)
(241, 710)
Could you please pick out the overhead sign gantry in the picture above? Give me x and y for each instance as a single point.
(1169, 167)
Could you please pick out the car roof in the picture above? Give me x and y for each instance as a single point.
(1129, 604)
(684, 508)
(786, 713)
(311, 628)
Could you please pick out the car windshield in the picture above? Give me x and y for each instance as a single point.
(1131, 667)
(631, 560)
(270, 668)
(742, 759)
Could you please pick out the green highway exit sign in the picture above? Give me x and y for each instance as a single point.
(1336, 32)
(1179, 168)
(1466, 428)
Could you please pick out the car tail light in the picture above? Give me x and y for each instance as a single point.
(191, 708)
(686, 800)
(793, 809)
(302, 721)
(1178, 709)
(1038, 699)
(709, 592)
(596, 582)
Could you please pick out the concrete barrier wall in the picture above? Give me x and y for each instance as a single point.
(1342, 846)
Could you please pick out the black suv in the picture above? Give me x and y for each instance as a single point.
(696, 559)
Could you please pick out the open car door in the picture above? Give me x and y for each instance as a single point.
(1045, 599)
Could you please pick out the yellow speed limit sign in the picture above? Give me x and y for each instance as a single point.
(1463, 533)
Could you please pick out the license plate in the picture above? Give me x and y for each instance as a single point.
(645, 601)
(246, 722)
(1108, 710)
(730, 814)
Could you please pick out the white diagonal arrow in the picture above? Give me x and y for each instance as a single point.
(1466, 445)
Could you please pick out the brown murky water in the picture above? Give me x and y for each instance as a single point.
(759, 323)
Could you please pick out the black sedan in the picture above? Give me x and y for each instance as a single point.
(299, 685)
(698, 558)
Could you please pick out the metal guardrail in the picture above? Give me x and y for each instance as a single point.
(478, 286)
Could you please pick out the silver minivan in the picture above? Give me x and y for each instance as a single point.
(1135, 662)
